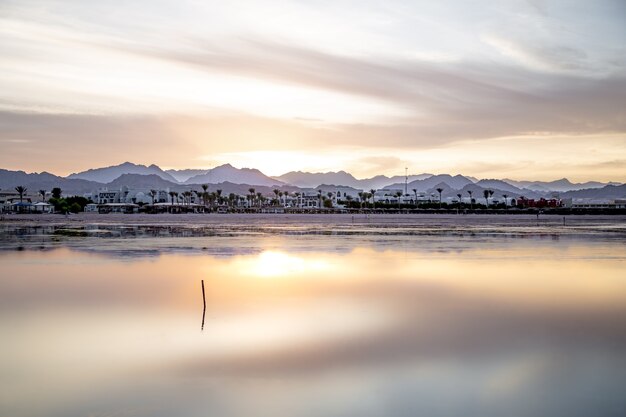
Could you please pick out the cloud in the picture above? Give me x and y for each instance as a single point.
(129, 89)
(69, 143)
(547, 58)
(446, 101)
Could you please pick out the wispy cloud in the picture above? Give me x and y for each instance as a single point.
(232, 80)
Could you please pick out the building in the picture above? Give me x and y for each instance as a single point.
(91, 208)
(123, 208)
(589, 203)
(134, 196)
(42, 207)
(390, 196)
(541, 203)
(20, 207)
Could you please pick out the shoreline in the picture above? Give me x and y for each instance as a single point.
(307, 219)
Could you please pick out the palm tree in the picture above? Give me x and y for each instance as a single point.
(251, 191)
(506, 203)
(440, 190)
(490, 193)
(172, 194)
(486, 195)
(361, 194)
(276, 191)
(372, 193)
(21, 190)
(319, 197)
(42, 193)
(205, 194)
(152, 194)
(398, 195)
(470, 192)
(415, 192)
(260, 198)
(330, 196)
(459, 196)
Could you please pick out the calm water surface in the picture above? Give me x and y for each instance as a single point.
(315, 326)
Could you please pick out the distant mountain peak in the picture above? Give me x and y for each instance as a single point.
(229, 173)
(110, 173)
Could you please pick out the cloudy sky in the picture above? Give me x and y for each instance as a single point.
(519, 89)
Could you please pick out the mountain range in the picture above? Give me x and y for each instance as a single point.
(239, 180)
(312, 180)
(561, 185)
(182, 175)
(228, 173)
(108, 174)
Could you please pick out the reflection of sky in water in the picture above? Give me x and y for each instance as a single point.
(513, 328)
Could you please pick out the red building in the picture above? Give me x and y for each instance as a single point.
(541, 203)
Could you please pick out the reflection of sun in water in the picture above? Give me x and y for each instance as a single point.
(278, 264)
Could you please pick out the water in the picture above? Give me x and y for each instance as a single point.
(313, 324)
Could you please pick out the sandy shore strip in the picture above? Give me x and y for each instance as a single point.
(230, 233)
(327, 220)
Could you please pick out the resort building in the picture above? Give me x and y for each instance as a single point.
(588, 203)
(396, 195)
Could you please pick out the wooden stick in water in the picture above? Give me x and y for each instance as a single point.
(204, 304)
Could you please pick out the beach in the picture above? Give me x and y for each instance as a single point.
(318, 219)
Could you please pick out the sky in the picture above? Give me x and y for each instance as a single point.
(494, 89)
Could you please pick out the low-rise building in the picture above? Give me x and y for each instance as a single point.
(540, 203)
(42, 207)
(124, 208)
(590, 203)
(91, 208)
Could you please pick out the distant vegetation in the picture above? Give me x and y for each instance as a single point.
(74, 204)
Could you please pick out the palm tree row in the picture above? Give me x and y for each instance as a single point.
(257, 199)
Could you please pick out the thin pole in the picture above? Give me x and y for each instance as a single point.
(406, 180)
(204, 306)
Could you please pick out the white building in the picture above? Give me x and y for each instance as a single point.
(129, 196)
(590, 203)
(42, 207)
(390, 196)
